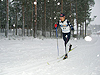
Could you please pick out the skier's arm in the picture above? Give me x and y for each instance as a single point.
(72, 28)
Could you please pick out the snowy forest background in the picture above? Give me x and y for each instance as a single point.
(37, 17)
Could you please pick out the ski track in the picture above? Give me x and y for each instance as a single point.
(30, 56)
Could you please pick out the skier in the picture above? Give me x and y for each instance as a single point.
(65, 26)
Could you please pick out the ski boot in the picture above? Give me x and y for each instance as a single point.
(66, 56)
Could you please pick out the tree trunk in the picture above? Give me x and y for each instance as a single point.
(16, 20)
(45, 15)
(85, 20)
(61, 6)
(7, 25)
(76, 19)
(35, 27)
(32, 21)
(23, 28)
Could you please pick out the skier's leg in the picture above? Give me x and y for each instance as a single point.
(66, 52)
(70, 46)
(66, 39)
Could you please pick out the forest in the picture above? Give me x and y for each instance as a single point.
(37, 17)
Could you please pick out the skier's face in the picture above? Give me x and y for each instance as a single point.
(62, 18)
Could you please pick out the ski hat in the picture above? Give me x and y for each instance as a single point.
(62, 15)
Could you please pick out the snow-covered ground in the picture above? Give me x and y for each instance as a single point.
(29, 56)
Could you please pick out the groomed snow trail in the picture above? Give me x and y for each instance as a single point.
(30, 56)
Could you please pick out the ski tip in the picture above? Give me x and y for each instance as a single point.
(48, 63)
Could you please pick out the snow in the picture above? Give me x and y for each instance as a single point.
(88, 38)
(33, 56)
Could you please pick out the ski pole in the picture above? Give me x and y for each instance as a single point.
(57, 41)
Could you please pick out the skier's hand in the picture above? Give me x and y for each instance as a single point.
(72, 28)
(55, 25)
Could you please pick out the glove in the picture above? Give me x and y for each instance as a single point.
(72, 28)
(55, 25)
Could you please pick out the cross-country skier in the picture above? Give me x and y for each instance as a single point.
(66, 26)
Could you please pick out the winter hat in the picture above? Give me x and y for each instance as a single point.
(62, 15)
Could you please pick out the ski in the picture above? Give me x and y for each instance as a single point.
(59, 59)
(68, 52)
